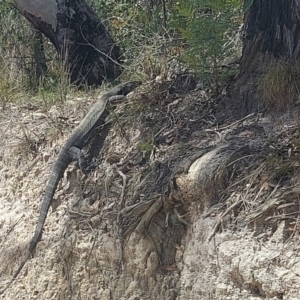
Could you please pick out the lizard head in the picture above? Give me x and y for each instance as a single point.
(123, 88)
(129, 86)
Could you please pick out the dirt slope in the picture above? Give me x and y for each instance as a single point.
(183, 206)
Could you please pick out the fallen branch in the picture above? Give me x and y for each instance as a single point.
(216, 227)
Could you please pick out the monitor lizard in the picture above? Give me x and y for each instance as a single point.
(72, 151)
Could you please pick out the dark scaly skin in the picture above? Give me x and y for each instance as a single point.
(77, 140)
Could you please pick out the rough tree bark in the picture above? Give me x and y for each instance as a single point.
(39, 54)
(84, 44)
(271, 32)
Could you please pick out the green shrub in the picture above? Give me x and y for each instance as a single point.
(210, 29)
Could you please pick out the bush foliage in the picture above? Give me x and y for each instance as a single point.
(211, 30)
(151, 33)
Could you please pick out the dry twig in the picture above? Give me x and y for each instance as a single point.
(236, 203)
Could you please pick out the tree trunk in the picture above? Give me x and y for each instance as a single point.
(39, 55)
(271, 32)
(83, 43)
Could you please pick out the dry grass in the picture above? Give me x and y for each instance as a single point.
(280, 86)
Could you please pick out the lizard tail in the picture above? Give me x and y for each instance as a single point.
(56, 174)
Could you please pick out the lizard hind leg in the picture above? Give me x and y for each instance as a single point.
(76, 154)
